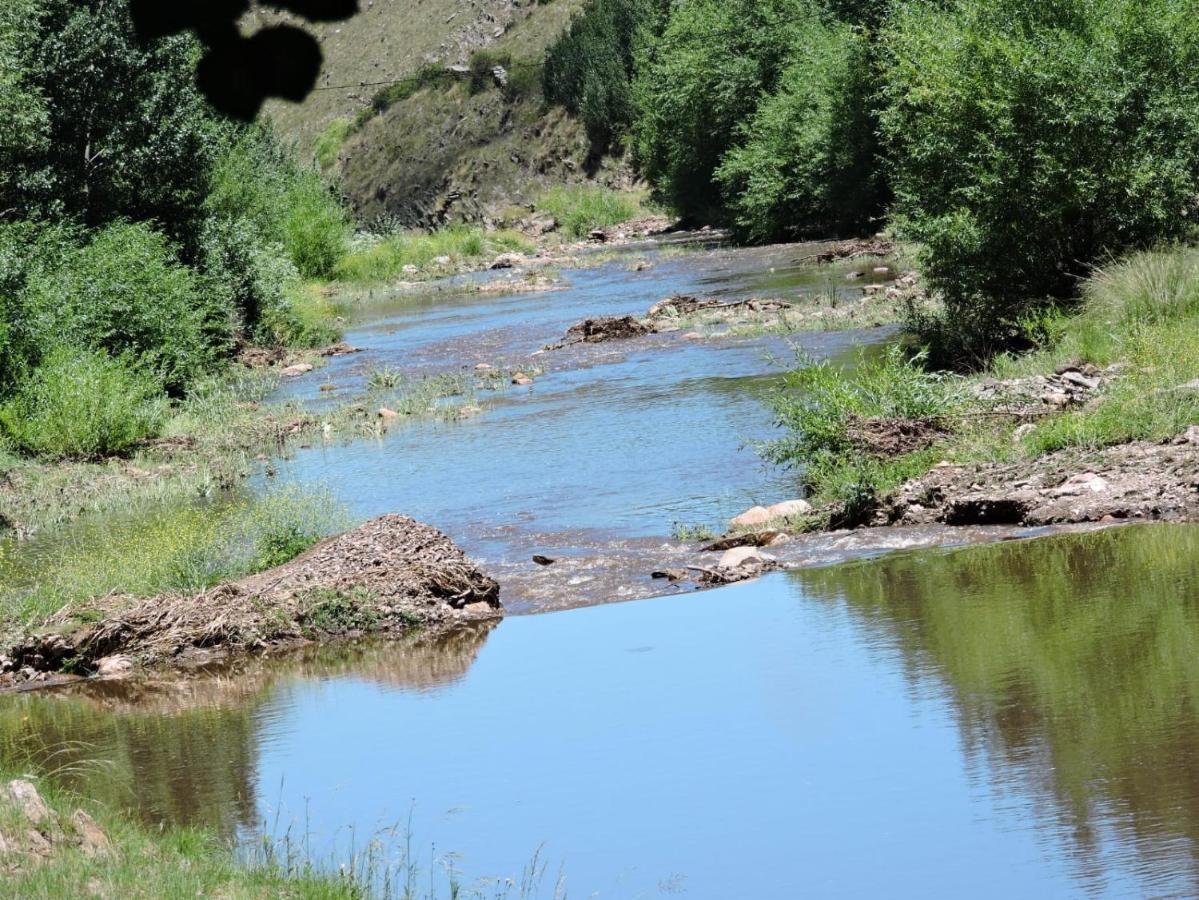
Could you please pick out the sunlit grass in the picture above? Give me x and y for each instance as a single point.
(177, 549)
(580, 209)
(431, 253)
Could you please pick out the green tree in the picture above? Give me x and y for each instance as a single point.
(807, 162)
(1031, 138)
(696, 85)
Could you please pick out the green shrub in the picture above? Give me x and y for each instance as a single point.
(1030, 138)
(589, 70)
(83, 404)
(808, 159)
(580, 209)
(696, 85)
(256, 180)
(330, 141)
(126, 293)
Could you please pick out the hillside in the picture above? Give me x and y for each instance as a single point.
(413, 137)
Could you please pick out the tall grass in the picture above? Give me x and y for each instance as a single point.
(819, 403)
(82, 404)
(580, 209)
(330, 141)
(431, 253)
(178, 548)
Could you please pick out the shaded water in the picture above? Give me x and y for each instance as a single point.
(1018, 719)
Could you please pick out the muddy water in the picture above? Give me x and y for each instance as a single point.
(1019, 719)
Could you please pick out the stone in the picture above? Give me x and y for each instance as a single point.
(758, 515)
(410, 269)
(1082, 381)
(543, 560)
(441, 260)
(598, 234)
(92, 839)
(385, 413)
(740, 556)
(507, 261)
(296, 370)
(29, 802)
(520, 378)
(1191, 435)
(482, 367)
(790, 508)
(118, 666)
(779, 539)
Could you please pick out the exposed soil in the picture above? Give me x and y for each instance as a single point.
(1132, 482)
(388, 576)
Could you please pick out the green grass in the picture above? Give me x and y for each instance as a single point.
(177, 548)
(1141, 312)
(818, 403)
(330, 141)
(433, 254)
(171, 862)
(580, 209)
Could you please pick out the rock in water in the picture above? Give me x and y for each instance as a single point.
(751, 518)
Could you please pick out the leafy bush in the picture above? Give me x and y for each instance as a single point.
(126, 293)
(1032, 138)
(698, 83)
(330, 141)
(808, 161)
(256, 180)
(589, 70)
(83, 404)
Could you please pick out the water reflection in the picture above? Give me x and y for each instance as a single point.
(1010, 720)
(1073, 665)
(187, 751)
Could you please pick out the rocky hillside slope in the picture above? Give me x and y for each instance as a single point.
(415, 136)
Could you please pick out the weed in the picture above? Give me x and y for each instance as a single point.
(689, 533)
(581, 209)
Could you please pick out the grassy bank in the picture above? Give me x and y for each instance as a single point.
(144, 863)
(1136, 324)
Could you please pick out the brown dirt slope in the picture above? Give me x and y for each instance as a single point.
(390, 575)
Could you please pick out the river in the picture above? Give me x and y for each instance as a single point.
(1014, 719)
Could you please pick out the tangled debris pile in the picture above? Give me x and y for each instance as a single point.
(852, 249)
(389, 575)
(608, 328)
(884, 437)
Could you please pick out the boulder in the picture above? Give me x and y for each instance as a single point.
(507, 261)
(385, 413)
(296, 370)
(758, 515)
(117, 666)
(789, 509)
(739, 557)
(520, 378)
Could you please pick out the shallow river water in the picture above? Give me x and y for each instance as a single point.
(1015, 719)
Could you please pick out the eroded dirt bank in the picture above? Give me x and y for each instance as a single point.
(389, 576)
(1131, 482)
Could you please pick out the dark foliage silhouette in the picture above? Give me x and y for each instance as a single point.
(238, 73)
